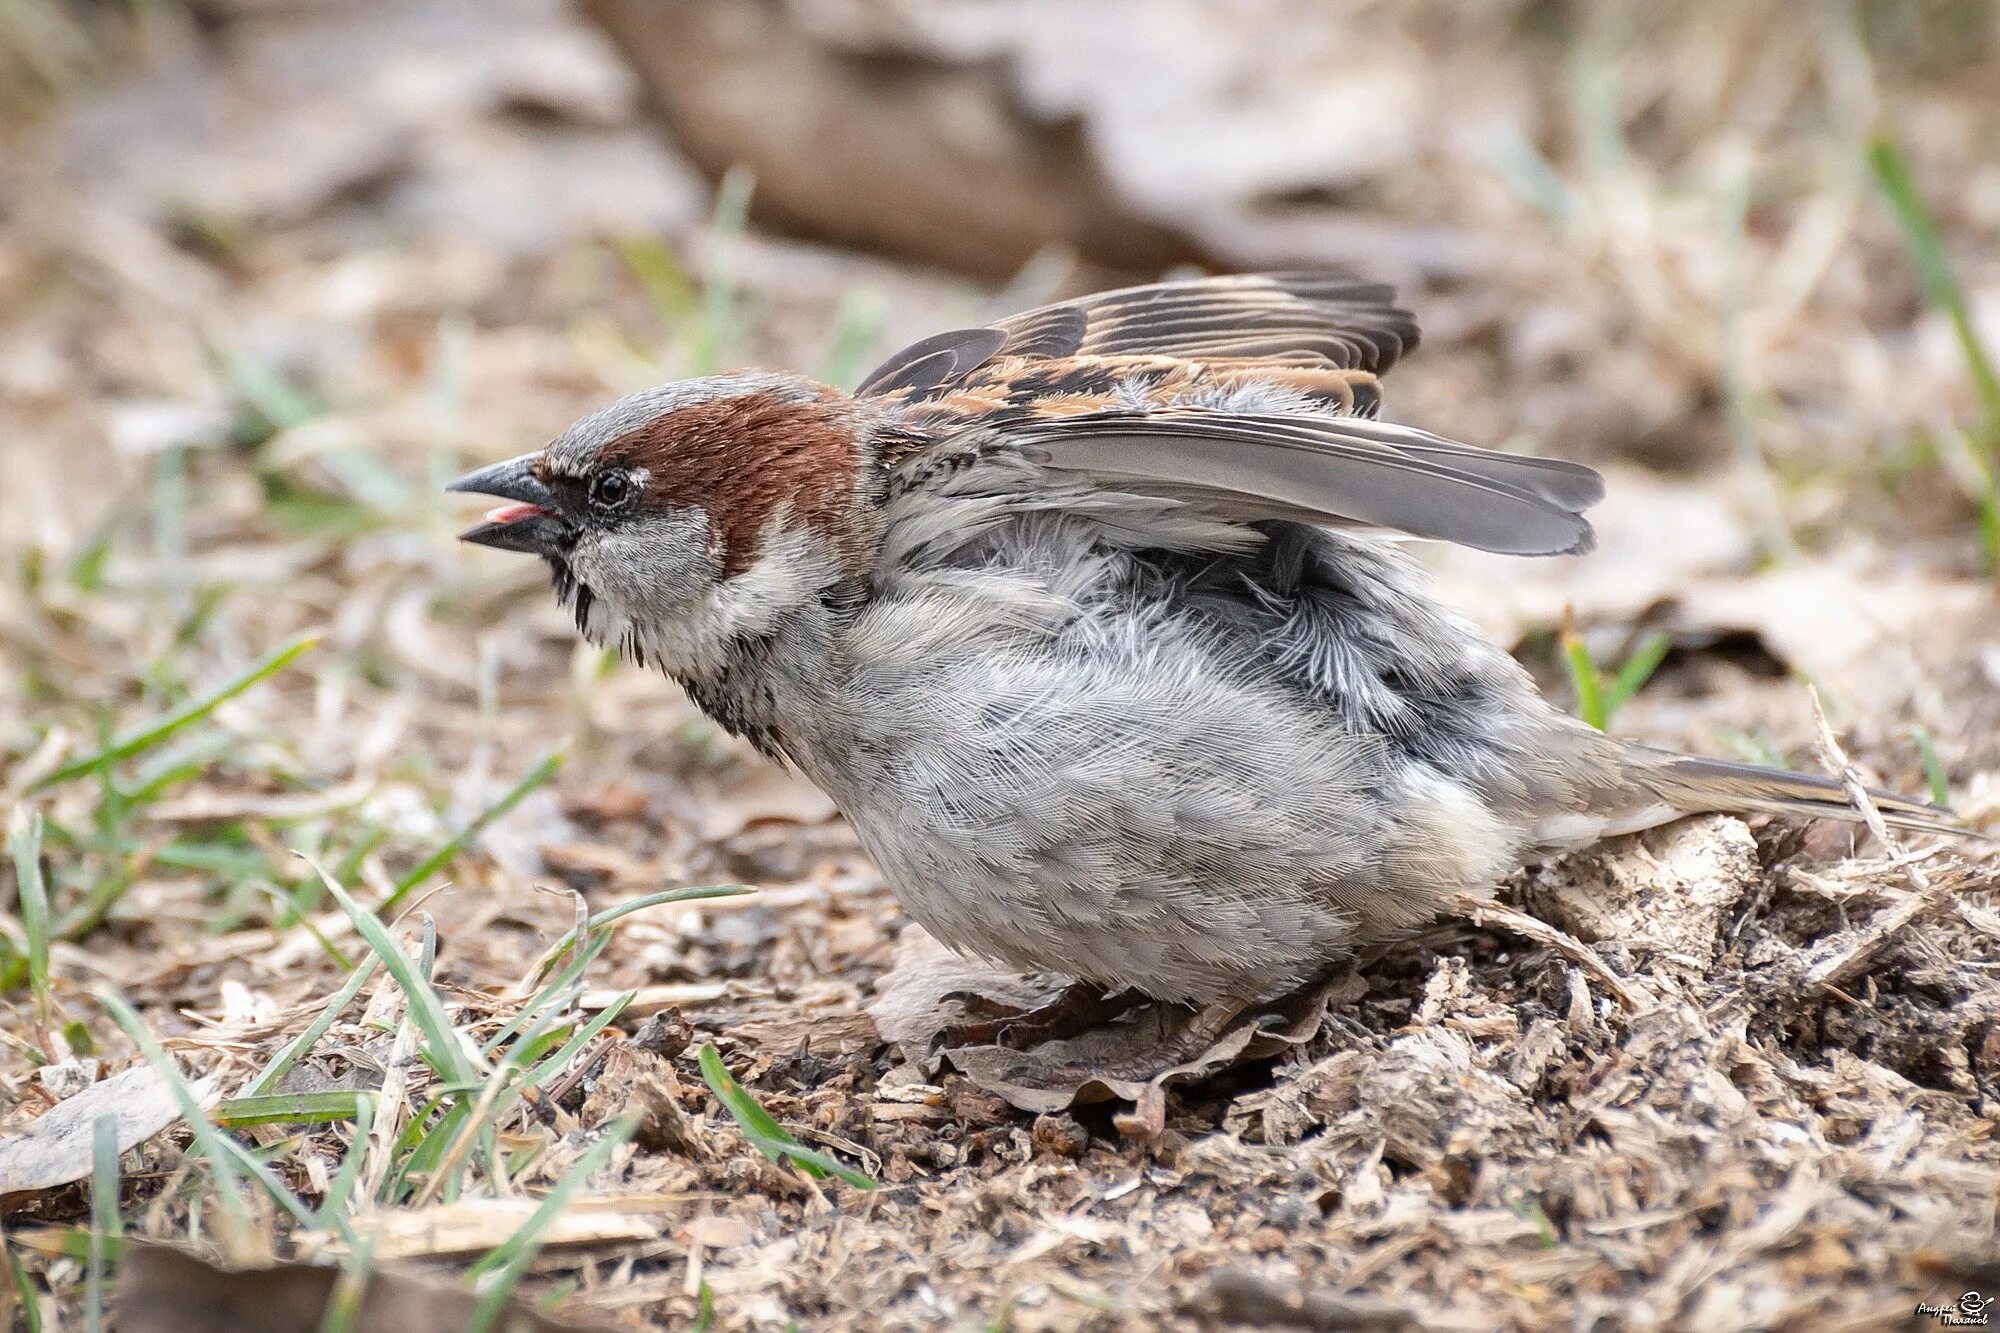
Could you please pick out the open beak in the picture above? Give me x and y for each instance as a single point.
(529, 524)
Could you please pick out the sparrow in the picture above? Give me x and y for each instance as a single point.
(1093, 623)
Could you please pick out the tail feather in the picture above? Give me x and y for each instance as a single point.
(1693, 786)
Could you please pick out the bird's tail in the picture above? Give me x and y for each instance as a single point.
(1697, 786)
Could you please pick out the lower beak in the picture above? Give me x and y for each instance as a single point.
(530, 524)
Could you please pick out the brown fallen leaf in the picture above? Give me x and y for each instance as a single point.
(915, 1001)
(1134, 1057)
(165, 1290)
(56, 1148)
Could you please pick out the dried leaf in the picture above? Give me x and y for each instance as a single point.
(1135, 1057)
(163, 1290)
(55, 1149)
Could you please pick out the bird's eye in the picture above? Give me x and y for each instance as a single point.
(609, 490)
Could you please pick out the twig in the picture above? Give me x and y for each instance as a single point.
(1872, 938)
(1486, 912)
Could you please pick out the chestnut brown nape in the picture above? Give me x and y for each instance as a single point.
(743, 459)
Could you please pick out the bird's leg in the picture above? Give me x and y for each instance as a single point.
(1080, 1006)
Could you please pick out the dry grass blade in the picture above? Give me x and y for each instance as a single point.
(1486, 912)
(507, 1263)
(441, 1039)
(1865, 945)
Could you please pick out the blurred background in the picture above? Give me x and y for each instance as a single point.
(271, 271)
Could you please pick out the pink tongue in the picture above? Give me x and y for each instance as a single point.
(514, 513)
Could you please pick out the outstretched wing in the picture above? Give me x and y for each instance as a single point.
(1249, 397)
(1297, 319)
(1336, 471)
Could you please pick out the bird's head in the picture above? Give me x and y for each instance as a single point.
(697, 509)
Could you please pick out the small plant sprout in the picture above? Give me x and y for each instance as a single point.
(1599, 695)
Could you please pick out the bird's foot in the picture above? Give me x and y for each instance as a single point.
(1080, 1007)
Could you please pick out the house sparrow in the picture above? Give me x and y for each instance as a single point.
(1087, 622)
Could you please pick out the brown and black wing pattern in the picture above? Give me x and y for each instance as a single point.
(1293, 319)
(1285, 318)
(1168, 389)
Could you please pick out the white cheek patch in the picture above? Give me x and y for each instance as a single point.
(659, 595)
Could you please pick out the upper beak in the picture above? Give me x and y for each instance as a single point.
(529, 524)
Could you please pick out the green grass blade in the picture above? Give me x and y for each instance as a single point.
(1935, 778)
(509, 1260)
(24, 840)
(1637, 670)
(443, 856)
(667, 284)
(716, 327)
(574, 1047)
(275, 1188)
(627, 908)
(756, 1122)
(425, 1006)
(857, 327)
(263, 388)
(104, 1221)
(431, 1145)
(765, 1134)
(333, 1208)
(343, 1303)
(1927, 251)
(298, 1047)
(291, 1108)
(289, 905)
(810, 1160)
(186, 716)
(24, 1292)
(596, 932)
(551, 991)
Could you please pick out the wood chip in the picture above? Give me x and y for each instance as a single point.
(474, 1226)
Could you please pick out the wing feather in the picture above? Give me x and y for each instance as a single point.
(1291, 318)
(1249, 396)
(938, 360)
(1323, 471)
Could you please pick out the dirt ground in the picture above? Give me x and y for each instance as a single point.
(271, 274)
